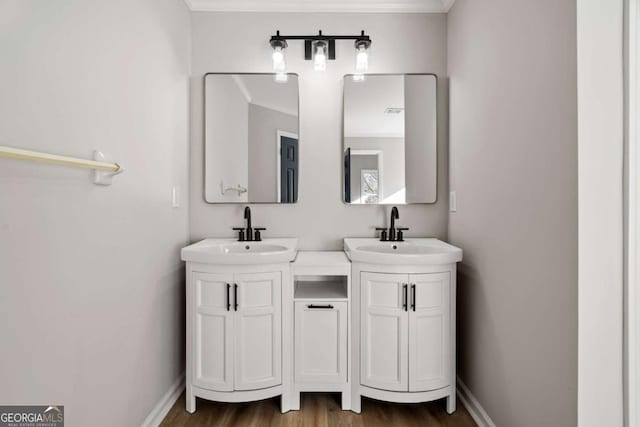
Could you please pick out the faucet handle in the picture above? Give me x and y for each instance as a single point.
(383, 233)
(240, 231)
(399, 236)
(256, 233)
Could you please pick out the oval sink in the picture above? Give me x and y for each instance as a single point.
(393, 248)
(249, 247)
(230, 251)
(410, 252)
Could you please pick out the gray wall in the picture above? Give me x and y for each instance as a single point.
(319, 219)
(91, 284)
(513, 148)
(420, 138)
(227, 137)
(263, 162)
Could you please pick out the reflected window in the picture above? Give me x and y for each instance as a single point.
(369, 188)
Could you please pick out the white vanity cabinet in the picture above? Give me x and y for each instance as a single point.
(320, 342)
(403, 340)
(235, 332)
(405, 331)
(321, 324)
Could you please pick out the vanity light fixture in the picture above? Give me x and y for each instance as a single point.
(319, 56)
(320, 48)
(362, 55)
(277, 56)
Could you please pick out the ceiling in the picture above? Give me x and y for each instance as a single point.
(365, 104)
(358, 6)
(263, 90)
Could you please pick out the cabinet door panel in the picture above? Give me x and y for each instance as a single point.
(258, 331)
(384, 332)
(320, 342)
(429, 334)
(213, 333)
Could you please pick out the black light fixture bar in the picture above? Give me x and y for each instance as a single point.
(330, 39)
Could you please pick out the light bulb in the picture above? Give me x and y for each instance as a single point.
(320, 58)
(278, 59)
(362, 60)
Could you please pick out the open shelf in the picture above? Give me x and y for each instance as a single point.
(320, 287)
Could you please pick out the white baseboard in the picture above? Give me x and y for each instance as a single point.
(476, 410)
(162, 408)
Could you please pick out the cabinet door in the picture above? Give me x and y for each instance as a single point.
(320, 342)
(429, 334)
(258, 335)
(213, 332)
(384, 332)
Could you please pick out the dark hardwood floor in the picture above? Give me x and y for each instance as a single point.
(317, 409)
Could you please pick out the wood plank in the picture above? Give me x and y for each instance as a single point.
(317, 409)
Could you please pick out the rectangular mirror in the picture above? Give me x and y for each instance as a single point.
(251, 138)
(390, 139)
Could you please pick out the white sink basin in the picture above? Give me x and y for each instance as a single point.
(230, 251)
(412, 251)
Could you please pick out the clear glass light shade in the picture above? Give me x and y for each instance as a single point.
(278, 60)
(320, 57)
(362, 60)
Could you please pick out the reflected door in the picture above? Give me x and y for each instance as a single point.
(288, 169)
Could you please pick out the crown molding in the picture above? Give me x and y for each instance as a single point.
(447, 4)
(331, 6)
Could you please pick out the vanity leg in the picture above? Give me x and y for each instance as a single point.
(346, 400)
(356, 402)
(190, 401)
(294, 402)
(451, 403)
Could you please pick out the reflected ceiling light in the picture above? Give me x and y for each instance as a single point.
(320, 48)
(319, 56)
(282, 77)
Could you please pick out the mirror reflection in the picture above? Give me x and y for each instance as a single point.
(251, 138)
(390, 136)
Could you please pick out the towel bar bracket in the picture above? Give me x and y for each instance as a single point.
(104, 177)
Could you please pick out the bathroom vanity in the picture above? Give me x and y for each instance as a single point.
(377, 320)
(374, 320)
(239, 324)
(403, 319)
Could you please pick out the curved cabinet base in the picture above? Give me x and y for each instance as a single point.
(404, 397)
(229, 396)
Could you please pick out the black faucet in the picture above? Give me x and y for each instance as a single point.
(247, 216)
(392, 228)
(249, 234)
(395, 234)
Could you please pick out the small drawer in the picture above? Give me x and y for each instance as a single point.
(320, 342)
